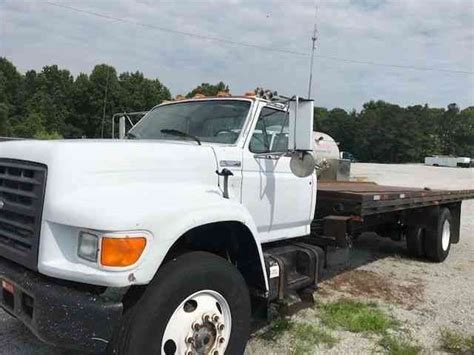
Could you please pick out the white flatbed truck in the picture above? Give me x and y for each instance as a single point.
(165, 242)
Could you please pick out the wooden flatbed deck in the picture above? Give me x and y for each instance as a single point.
(367, 198)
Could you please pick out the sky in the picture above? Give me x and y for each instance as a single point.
(435, 34)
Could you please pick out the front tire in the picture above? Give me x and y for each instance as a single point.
(197, 303)
(438, 239)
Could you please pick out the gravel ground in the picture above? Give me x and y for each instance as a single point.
(423, 296)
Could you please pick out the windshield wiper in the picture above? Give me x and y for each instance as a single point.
(175, 132)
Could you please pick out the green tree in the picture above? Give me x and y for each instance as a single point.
(463, 134)
(10, 82)
(140, 93)
(10, 85)
(105, 94)
(50, 102)
(4, 122)
(82, 107)
(30, 126)
(207, 89)
(320, 114)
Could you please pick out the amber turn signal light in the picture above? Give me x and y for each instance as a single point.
(121, 251)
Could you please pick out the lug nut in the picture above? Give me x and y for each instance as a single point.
(215, 318)
(206, 318)
(190, 340)
(221, 327)
(221, 340)
(196, 326)
(216, 352)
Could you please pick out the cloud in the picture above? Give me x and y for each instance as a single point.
(428, 33)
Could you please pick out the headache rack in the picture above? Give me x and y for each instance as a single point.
(22, 187)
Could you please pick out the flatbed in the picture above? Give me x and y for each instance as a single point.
(347, 209)
(367, 198)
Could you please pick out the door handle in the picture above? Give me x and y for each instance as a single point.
(271, 156)
(225, 173)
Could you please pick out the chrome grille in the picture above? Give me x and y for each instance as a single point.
(22, 186)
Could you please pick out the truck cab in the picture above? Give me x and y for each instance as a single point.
(248, 138)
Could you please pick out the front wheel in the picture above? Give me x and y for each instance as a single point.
(197, 303)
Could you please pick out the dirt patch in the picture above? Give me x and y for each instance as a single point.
(369, 284)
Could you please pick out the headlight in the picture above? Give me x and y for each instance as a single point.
(88, 248)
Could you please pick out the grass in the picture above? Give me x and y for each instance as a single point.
(304, 337)
(277, 328)
(307, 336)
(395, 346)
(356, 316)
(454, 342)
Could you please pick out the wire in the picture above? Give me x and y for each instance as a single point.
(394, 65)
(256, 46)
(169, 30)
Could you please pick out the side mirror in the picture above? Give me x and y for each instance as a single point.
(302, 164)
(300, 134)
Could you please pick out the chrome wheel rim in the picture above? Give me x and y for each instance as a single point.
(200, 325)
(446, 235)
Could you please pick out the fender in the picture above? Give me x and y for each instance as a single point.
(165, 212)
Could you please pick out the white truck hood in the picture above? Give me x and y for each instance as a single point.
(81, 164)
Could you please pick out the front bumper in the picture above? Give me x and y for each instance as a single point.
(59, 313)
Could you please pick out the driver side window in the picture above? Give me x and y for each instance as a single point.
(271, 132)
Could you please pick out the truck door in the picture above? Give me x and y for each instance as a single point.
(280, 202)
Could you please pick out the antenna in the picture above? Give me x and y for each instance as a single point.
(314, 38)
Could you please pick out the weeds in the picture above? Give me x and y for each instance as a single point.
(307, 336)
(277, 328)
(356, 316)
(395, 346)
(304, 337)
(456, 343)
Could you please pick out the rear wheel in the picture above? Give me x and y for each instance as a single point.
(196, 304)
(415, 241)
(438, 239)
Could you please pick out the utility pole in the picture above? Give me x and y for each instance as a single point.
(314, 39)
(105, 102)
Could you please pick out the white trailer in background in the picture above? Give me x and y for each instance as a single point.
(448, 160)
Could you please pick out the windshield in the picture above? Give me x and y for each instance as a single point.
(218, 121)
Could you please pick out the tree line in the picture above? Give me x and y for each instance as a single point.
(387, 133)
(53, 104)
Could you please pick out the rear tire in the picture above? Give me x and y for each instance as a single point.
(415, 241)
(438, 239)
(198, 295)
